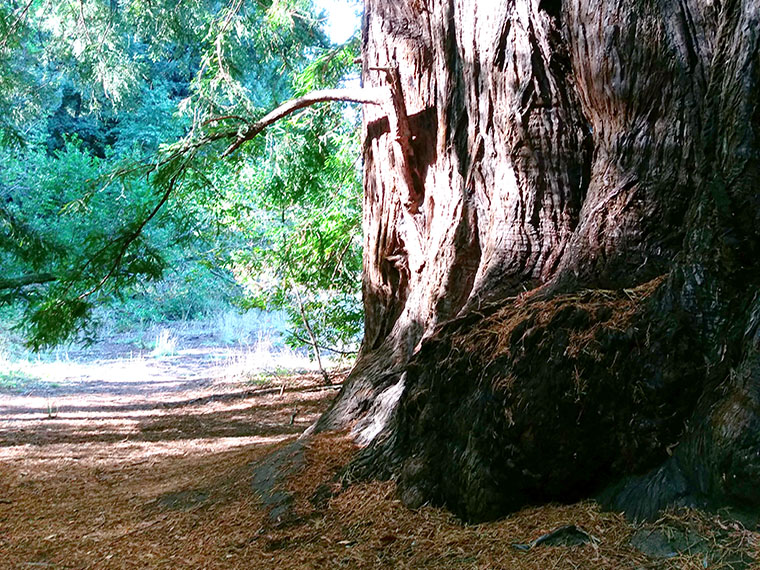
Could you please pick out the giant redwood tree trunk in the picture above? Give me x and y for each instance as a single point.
(561, 253)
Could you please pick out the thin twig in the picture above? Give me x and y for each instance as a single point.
(223, 118)
(12, 29)
(314, 344)
(84, 22)
(339, 262)
(335, 350)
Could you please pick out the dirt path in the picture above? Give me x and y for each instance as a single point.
(106, 449)
(131, 400)
(154, 463)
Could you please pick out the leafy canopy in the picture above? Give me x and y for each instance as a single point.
(114, 116)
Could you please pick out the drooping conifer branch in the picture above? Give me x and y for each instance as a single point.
(390, 98)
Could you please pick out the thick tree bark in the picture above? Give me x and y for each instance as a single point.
(561, 269)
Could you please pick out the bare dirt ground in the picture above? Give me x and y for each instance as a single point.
(163, 463)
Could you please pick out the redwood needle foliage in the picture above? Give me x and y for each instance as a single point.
(115, 189)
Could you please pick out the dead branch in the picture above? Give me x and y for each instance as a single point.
(371, 96)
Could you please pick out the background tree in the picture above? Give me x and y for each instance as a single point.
(112, 189)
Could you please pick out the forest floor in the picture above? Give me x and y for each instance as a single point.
(169, 462)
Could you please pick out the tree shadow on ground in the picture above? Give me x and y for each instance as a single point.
(238, 414)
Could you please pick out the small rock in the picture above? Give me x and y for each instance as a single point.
(569, 535)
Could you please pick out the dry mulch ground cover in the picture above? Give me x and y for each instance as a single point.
(165, 479)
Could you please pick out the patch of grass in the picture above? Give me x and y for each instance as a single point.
(260, 379)
(264, 363)
(250, 327)
(165, 344)
(16, 380)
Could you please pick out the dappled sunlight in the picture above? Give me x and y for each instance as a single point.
(125, 452)
(165, 413)
(98, 453)
(166, 371)
(263, 358)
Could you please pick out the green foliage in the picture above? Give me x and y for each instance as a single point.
(299, 215)
(112, 191)
(55, 320)
(329, 68)
(79, 225)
